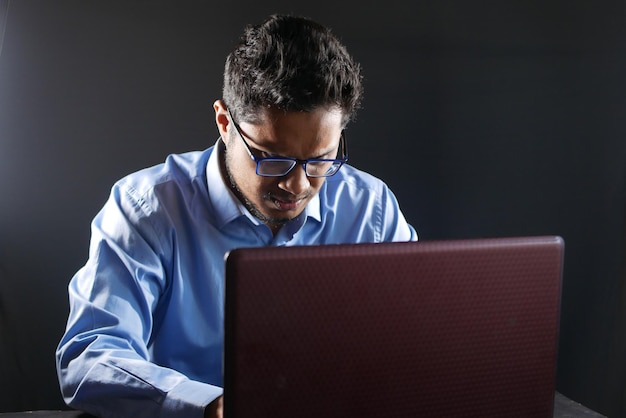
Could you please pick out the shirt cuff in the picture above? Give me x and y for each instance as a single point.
(189, 399)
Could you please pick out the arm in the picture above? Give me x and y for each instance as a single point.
(395, 227)
(105, 359)
(215, 409)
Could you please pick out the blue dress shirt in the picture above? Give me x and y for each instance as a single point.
(144, 336)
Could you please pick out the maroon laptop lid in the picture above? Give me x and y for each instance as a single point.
(423, 329)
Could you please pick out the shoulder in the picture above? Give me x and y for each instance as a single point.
(359, 207)
(354, 191)
(181, 177)
(177, 168)
(354, 181)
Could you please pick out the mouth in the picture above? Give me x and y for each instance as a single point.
(286, 205)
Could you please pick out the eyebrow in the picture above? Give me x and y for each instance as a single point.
(277, 155)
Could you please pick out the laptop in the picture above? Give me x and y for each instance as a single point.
(450, 328)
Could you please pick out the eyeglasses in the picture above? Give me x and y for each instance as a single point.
(281, 166)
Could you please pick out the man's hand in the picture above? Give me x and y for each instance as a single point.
(215, 409)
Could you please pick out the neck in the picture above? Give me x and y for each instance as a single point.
(230, 182)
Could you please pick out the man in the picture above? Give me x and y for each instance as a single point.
(144, 335)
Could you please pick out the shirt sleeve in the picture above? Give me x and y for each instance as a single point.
(103, 360)
(394, 226)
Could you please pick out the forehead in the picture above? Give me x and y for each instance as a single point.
(274, 116)
(296, 134)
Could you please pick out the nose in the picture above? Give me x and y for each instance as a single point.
(296, 181)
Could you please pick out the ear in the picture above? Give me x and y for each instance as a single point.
(221, 119)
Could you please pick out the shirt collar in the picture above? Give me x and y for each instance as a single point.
(313, 210)
(226, 206)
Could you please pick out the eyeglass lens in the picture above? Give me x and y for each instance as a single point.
(280, 167)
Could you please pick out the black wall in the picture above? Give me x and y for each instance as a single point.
(486, 118)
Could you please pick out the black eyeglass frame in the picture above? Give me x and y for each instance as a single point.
(336, 163)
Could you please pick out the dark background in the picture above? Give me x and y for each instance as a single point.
(486, 118)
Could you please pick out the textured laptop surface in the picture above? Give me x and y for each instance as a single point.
(463, 328)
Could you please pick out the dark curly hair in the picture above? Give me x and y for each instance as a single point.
(292, 64)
